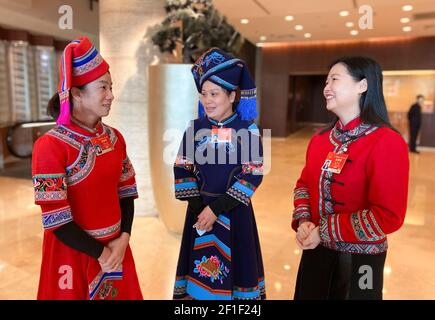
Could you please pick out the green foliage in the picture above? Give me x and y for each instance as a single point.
(197, 26)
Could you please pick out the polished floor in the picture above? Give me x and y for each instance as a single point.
(409, 271)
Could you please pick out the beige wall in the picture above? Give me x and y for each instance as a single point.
(41, 17)
(401, 90)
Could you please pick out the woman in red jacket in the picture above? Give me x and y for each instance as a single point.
(352, 191)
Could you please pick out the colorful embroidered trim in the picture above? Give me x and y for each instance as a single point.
(185, 188)
(254, 167)
(127, 191)
(127, 170)
(242, 190)
(365, 226)
(82, 166)
(56, 218)
(197, 289)
(105, 232)
(100, 279)
(50, 187)
(212, 241)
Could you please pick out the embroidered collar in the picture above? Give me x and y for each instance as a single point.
(225, 121)
(350, 125)
(351, 131)
(81, 128)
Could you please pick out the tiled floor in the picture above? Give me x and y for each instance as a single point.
(409, 272)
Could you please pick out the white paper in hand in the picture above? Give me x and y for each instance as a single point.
(200, 232)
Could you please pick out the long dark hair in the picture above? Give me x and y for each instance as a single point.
(53, 107)
(372, 103)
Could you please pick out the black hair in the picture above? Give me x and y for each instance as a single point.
(237, 98)
(420, 96)
(53, 107)
(372, 103)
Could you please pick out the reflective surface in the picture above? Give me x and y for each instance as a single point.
(409, 271)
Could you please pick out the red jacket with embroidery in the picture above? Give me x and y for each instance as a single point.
(358, 207)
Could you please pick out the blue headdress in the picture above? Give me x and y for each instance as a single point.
(230, 73)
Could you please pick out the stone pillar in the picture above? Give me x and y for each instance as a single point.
(126, 28)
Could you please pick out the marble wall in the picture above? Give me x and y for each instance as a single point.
(125, 42)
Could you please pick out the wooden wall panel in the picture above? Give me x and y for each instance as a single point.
(278, 62)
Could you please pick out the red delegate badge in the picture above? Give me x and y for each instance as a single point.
(334, 162)
(102, 144)
(220, 135)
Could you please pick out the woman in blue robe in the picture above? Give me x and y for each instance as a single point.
(218, 168)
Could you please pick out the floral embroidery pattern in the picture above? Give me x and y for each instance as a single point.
(211, 268)
(255, 168)
(49, 187)
(127, 170)
(83, 166)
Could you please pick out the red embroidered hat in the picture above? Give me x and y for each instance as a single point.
(81, 63)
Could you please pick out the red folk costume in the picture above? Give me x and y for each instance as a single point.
(75, 179)
(367, 200)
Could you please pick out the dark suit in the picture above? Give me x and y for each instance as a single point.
(414, 117)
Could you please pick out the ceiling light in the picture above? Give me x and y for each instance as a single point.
(344, 13)
(298, 27)
(289, 18)
(263, 38)
(405, 20)
(244, 21)
(407, 29)
(349, 24)
(354, 32)
(307, 35)
(407, 8)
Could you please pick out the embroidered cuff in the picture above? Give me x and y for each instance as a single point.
(242, 191)
(365, 226)
(127, 191)
(185, 188)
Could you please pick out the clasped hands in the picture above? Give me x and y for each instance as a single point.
(307, 236)
(113, 253)
(206, 219)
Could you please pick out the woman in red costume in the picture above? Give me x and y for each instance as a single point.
(352, 191)
(85, 185)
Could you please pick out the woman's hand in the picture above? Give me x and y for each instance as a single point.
(307, 236)
(117, 248)
(313, 239)
(206, 219)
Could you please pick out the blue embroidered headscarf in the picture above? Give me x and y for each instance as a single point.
(230, 73)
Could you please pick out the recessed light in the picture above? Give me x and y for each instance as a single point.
(263, 38)
(289, 18)
(354, 32)
(349, 24)
(387, 270)
(407, 8)
(298, 27)
(407, 29)
(344, 13)
(244, 21)
(307, 35)
(405, 20)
